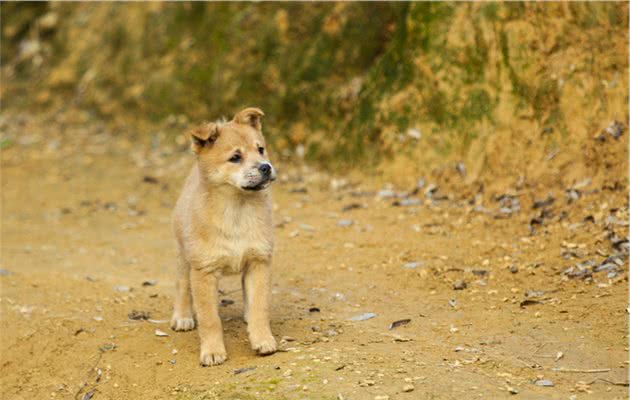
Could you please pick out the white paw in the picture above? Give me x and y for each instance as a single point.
(264, 346)
(182, 324)
(209, 358)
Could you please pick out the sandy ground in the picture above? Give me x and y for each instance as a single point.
(86, 240)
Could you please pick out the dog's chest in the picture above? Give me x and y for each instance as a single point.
(242, 233)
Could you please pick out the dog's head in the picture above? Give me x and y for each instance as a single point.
(234, 152)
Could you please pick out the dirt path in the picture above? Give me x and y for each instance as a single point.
(82, 229)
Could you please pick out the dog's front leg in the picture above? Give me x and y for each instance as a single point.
(183, 319)
(206, 301)
(257, 286)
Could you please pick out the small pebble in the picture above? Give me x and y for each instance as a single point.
(344, 223)
(408, 388)
(363, 317)
(460, 285)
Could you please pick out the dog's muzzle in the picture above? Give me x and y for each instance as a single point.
(267, 176)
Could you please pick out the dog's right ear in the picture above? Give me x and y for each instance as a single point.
(204, 136)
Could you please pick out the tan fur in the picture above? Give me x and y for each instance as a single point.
(223, 228)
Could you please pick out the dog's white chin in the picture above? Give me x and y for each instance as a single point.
(258, 187)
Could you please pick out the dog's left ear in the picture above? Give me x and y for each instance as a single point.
(250, 116)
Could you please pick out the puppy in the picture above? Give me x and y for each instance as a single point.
(222, 223)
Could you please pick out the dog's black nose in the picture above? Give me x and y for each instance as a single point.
(265, 169)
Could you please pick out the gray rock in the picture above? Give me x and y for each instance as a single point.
(345, 223)
(413, 264)
(363, 317)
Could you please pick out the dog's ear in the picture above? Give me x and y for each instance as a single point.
(204, 136)
(250, 116)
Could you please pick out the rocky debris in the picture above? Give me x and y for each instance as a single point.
(615, 129)
(508, 204)
(307, 228)
(459, 285)
(239, 371)
(512, 390)
(585, 269)
(461, 169)
(413, 264)
(414, 133)
(138, 315)
(539, 220)
(386, 194)
(398, 323)
(330, 333)
(351, 206)
(572, 195)
(150, 179)
(407, 202)
(363, 317)
(544, 203)
(345, 223)
(88, 395)
(431, 193)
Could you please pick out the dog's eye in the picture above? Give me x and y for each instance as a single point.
(261, 150)
(236, 158)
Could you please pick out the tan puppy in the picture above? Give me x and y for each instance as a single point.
(222, 223)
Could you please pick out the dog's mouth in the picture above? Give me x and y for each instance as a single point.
(259, 186)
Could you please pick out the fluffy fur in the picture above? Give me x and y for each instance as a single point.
(222, 223)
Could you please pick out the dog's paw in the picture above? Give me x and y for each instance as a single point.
(265, 345)
(209, 359)
(182, 324)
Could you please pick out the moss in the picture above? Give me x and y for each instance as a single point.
(478, 105)
(300, 62)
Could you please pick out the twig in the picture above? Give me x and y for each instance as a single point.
(583, 371)
(626, 384)
(84, 384)
(540, 348)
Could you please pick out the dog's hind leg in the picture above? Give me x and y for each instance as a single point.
(183, 317)
(245, 299)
